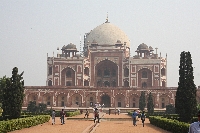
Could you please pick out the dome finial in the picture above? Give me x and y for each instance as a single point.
(107, 18)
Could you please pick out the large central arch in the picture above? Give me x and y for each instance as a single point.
(68, 77)
(145, 76)
(105, 99)
(106, 74)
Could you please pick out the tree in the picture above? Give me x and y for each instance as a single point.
(150, 105)
(5, 97)
(2, 85)
(42, 107)
(170, 109)
(198, 106)
(142, 102)
(32, 107)
(13, 94)
(185, 102)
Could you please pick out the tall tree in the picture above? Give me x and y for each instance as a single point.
(185, 102)
(142, 102)
(32, 107)
(13, 94)
(2, 85)
(4, 97)
(42, 107)
(150, 105)
(170, 109)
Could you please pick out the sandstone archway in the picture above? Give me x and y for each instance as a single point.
(105, 99)
(106, 72)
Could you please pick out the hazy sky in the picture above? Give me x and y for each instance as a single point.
(29, 29)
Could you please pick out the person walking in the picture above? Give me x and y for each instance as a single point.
(53, 115)
(96, 115)
(118, 111)
(194, 127)
(62, 117)
(134, 115)
(143, 117)
(86, 113)
(138, 113)
(109, 111)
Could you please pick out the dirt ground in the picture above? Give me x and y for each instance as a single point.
(81, 125)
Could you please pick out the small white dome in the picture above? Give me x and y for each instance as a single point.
(107, 34)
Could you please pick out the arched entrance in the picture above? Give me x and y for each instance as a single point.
(62, 100)
(134, 101)
(119, 101)
(105, 99)
(76, 100)
(90, 100)
(145, 76)
(106, 72)
(68, 77)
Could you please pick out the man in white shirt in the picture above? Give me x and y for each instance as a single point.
(53, 115)
(195, 127)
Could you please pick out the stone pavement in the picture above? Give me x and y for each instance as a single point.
(121, 123)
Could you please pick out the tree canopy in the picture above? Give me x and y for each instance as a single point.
(150, 105)
(185, 102)
(13, 94)
(142, 101)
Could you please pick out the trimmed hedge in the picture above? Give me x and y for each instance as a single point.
(154, 114)
(171, 125)
(67, 113)
(169, 122)
(17, 124)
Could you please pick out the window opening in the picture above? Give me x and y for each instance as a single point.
(144, 74)
(68, 74)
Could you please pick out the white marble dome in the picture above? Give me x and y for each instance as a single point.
(107, 34)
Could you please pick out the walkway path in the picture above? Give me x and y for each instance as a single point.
(81, 125)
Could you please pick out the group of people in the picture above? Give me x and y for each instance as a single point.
(96, 116)
(194, 127)
(117, 111)
(135, 115)
(95, 113)
(62, 117)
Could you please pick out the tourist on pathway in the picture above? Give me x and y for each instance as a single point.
(96, 115)
(109, 111)
(195, 127)
(86, 113)
(134, 115)
(138, 111)
(53, 115)
(143, 117)
(118, 111)
(62, 117)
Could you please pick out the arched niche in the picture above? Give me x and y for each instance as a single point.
(106, 72)
(105, 99)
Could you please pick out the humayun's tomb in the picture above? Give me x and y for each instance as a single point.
(104, 73)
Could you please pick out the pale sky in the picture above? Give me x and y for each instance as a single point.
(29, 29)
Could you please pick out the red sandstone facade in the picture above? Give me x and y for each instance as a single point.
(104, 73)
